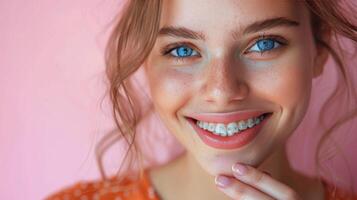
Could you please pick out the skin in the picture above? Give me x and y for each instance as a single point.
(225, 77)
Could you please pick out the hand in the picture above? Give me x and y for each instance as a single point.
(249, 183)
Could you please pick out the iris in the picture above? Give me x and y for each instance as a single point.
(183, 51)
(264, 45)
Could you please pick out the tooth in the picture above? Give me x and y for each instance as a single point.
(214, 132)
(232, 128)
(223, 134)
(221, 129)
(198, 123)
(205, 125)
(237, 129)
(250, 123)
(211, 127)
(257, 121)
(242, 125)
(261, 118)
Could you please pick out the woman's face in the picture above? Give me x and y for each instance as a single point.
(214, 58)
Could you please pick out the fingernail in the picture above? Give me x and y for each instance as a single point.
(223, 181)
(239, 169)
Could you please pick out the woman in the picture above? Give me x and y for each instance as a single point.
(231, 80)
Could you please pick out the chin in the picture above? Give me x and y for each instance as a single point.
(214, 170)
(215, 164)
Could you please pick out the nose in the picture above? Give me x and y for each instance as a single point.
(224, 83)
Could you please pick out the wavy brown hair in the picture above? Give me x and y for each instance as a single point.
(134, 35)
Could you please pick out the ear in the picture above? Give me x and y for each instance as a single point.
(322, 54)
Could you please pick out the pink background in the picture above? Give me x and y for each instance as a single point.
(51, 85)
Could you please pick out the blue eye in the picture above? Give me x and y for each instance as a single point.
(183, 51)
(264, 45)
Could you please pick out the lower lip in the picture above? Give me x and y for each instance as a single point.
(229, 142)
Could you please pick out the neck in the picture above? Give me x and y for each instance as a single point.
(196, 182)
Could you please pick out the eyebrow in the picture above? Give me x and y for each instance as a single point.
(183, 32)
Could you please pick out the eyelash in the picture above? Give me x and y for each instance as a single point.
(276, 39)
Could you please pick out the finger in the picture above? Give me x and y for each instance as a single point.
(239, 190)
(263, 182)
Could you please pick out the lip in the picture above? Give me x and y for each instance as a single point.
(229, 142)
(226, 117)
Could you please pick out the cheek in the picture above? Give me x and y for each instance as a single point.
(285, 82)
(170, 89)
(293, 82)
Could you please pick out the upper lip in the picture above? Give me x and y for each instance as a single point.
(226, 117)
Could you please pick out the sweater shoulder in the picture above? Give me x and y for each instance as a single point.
(111, 189)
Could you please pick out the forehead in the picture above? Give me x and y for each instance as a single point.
(217, 15)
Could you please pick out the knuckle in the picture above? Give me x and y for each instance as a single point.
(239, 193)
(239, 190)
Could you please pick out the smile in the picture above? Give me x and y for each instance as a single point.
(229, 131)
(231, 128)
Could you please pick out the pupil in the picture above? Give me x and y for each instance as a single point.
(184, 51)
(265, 44)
